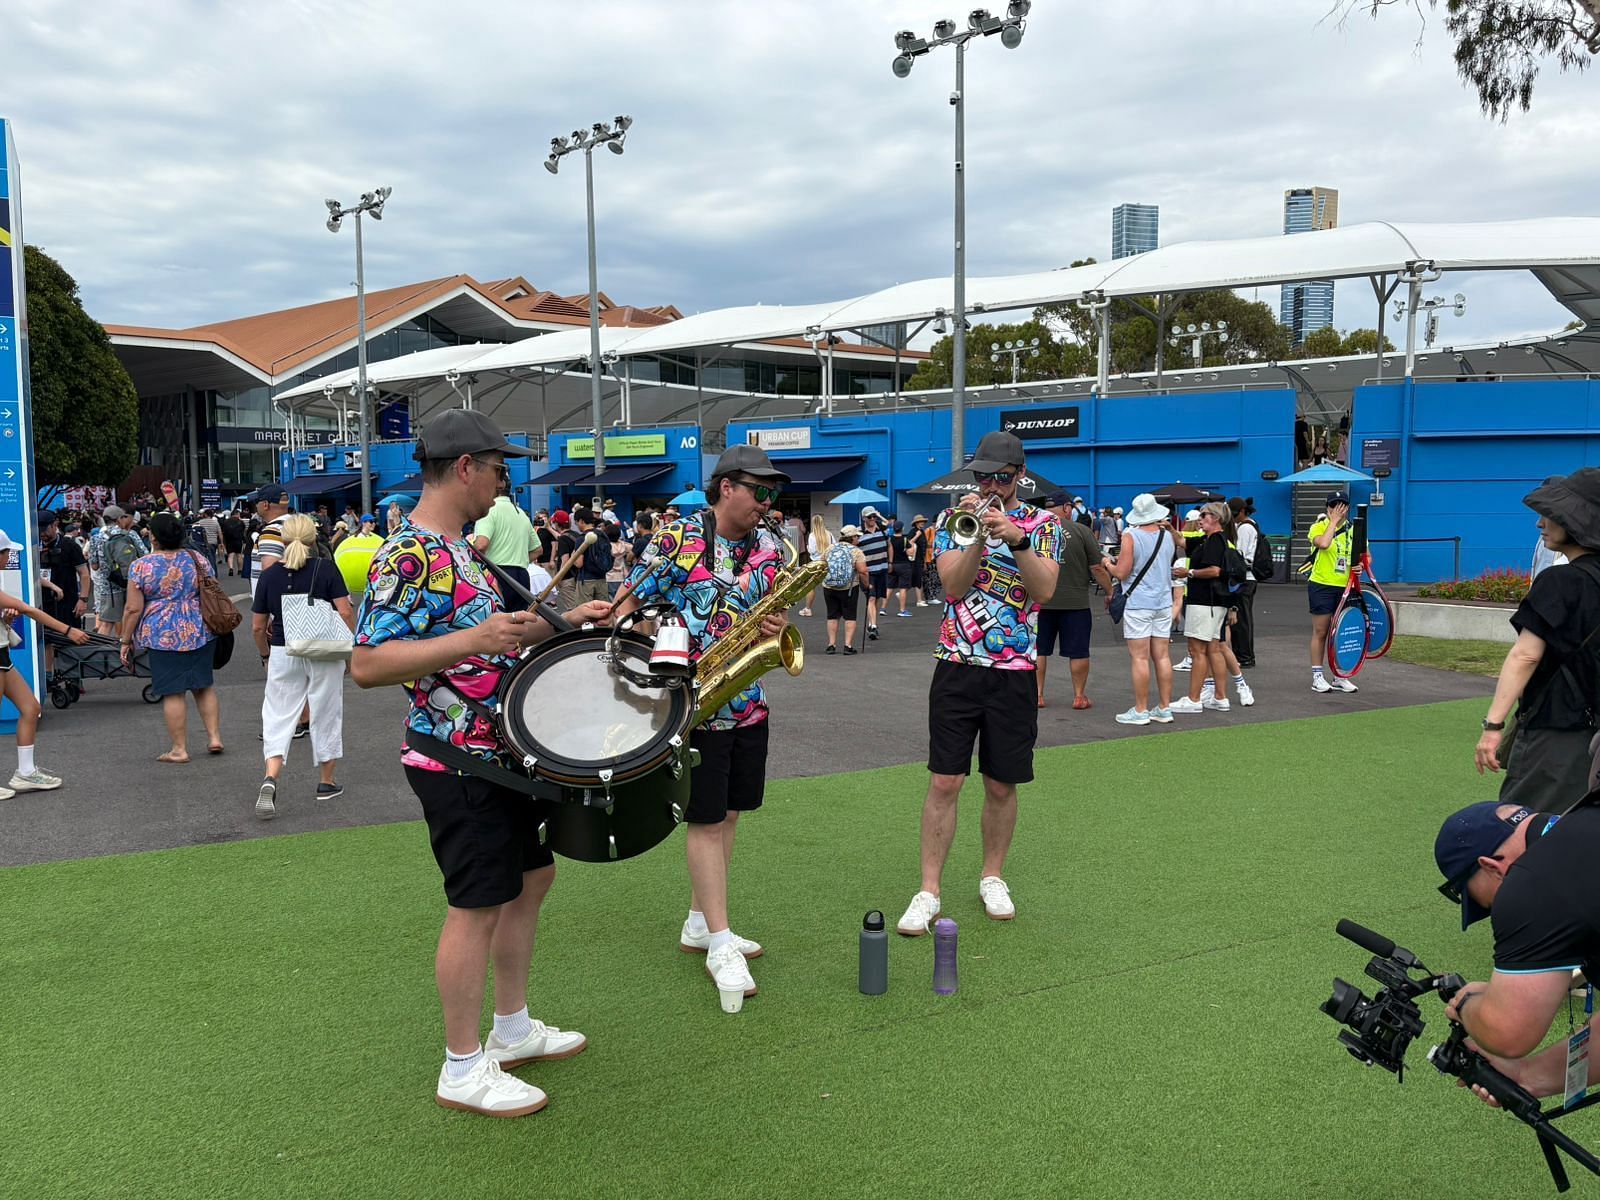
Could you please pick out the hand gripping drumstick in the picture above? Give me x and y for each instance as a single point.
(589, 539)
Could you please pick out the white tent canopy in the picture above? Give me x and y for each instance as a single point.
(1563, 252)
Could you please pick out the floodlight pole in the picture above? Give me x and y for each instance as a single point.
(594, 333)
(958, 355)
(364, 408)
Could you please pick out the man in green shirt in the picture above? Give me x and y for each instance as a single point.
(506, 538)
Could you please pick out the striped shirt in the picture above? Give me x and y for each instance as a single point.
(269, 547)
(875, 548)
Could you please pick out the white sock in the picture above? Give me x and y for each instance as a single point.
(1236, 680)
(719, 940)
(696, 922)
(24, 760)
(511, 1028)
(456, 1066)
(1316, 672)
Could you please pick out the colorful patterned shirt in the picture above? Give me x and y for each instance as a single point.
(171, 619)
(996, 623)
(711, 595)
(423, 585)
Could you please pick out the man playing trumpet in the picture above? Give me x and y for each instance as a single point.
(998, 559)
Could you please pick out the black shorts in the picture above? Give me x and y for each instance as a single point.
(918, 570)
(878, 584)
(900, 575)
(997, 709)
(484, 837)
(1324, 598)
(842, 605)
(1071, 627)
(731, 775)
(60, 610)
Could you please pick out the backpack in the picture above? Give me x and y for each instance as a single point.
(600, 556)
(1234, 569)
(121, 552)
(841, 567)
(1261, 565)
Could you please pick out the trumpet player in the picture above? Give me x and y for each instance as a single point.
(998, 559)
(714, 566)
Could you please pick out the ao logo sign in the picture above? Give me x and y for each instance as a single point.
(688, 442)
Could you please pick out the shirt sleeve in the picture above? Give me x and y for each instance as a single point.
(1048, 540)
(1554, 609)
(650, 577)
(260, 603)
(396, 609)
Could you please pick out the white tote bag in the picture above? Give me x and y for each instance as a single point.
(313, 628)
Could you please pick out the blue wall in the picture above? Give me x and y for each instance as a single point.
(1474, 450)
(683, 454)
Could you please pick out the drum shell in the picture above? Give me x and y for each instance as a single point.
(607, 825)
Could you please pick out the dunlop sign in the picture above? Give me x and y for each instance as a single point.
(1041, 422)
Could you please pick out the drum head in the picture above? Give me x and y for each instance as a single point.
(566, 708)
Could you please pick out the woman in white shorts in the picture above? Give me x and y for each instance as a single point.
(1145, 557)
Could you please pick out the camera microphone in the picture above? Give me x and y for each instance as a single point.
(1364, 937)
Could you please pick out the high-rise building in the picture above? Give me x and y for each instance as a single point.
(1307, 307)
(1135, 228)
(892, 336)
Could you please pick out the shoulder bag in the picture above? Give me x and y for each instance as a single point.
(216, 610)
(313, 628)
(1119, 598)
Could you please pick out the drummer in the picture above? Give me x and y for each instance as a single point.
(434, 621)
(713, 591)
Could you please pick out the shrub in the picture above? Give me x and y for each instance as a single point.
(1506, 584)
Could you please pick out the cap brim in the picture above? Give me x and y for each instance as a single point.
(765, 473)
(1471, 910)
(512, 451)
(984, 464)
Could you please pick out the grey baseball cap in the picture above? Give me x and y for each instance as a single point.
(996, 452)
(752, 460)
(459, 431)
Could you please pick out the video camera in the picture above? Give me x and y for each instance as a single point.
(1379, 1029)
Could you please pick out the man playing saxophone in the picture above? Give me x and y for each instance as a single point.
(715, 566)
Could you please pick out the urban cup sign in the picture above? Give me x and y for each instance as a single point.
(1029, 423)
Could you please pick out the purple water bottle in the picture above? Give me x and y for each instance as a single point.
(944, 957)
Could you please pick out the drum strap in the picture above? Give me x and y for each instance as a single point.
(462, 763)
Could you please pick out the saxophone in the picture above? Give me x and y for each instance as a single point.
(742, 656)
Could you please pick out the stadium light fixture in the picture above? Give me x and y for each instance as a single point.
(371, 204)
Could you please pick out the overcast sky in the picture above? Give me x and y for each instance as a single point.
(176, 154)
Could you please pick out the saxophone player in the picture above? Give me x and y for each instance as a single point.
(714, 566)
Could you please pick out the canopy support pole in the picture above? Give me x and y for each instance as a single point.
(1382, 293)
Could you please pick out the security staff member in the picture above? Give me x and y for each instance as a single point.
(1532, 874)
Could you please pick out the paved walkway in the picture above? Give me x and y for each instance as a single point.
(842, 714)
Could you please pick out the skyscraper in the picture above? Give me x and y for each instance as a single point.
(1307, 307)
(1135, 228)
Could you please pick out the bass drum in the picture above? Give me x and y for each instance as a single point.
(599, 825)
(573, 720)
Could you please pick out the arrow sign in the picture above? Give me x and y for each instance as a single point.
(6, 413)
(2, 327)
(10, 474)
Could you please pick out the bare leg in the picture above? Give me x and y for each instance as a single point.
(1080, 677)
(1162, 657)
(707, 857)
(210, 714)
(1218, 669)
(850, 632)
(175, 712)
(1039, 667)
(833, 631)
(1139, 661)
(728, 828)
(999, 822)
(459, 967)
(938, 826)
(1319, 638)
(511, 949)
(275, 766)
(1199, 657)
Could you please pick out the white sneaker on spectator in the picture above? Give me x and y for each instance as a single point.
(544, 1043)
(1161, 715)
(1208, 690)
(730, 971)
(1320, 684)
(1246, 696)
(919, 915)
(1133, 717)
(1215, 705)
(1183, 706)
(996, 897)
(1338, 685)
(488, 1090)
(1184, 665)
(6, 793)
(699, 943)
(34, 781)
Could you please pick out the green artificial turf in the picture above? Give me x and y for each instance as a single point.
(1474, 656)
(259, 1018)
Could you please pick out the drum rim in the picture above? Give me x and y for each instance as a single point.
(571, 772)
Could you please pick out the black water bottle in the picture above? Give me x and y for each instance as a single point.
(874, 955)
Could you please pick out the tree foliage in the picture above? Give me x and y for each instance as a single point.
(85, 408)
(1328, 342)
(935, 371)
(1501, 44)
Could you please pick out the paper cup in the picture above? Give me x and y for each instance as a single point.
(732, 1001)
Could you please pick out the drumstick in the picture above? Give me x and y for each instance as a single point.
(589, 539)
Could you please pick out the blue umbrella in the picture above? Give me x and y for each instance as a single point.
(401, 498)
(693, 498)
(860, 496)
(1327, 473)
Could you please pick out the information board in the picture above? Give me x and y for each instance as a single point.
(16, 427)
(621, 445)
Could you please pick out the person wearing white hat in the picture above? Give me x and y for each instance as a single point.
(1143, 567)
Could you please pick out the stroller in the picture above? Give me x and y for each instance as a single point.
(100, 658)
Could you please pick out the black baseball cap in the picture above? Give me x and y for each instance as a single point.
(751, 460)
(1338, 498)
(1474, 832)
(459, 431)
(996, 452)
(270, 493)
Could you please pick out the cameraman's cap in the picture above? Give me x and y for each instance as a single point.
(1466, 836)
(996, 452)
(751, 460)
(459, 431)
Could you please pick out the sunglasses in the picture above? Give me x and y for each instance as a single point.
(1452, 891)
(764, 493)
(500, 469)
(1000, 477)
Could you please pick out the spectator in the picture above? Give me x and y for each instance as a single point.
(1552, 671)
(213, 531)
(396, 517)
(233, 532)
(818, 542)
(1144, 566)
(119, 548)
(608, 514)
(163, 616)
(272, 505)
(841, 586)
(1248, 535)
(1330, 573)
(920, 547)
(547, 540)
(351, 518)
(296, 684)
(874, 544)
(65, 573)
(587, 580)
(1205, 612)
(1065, 617)
(1544, 558)
(900, 565)
(505, 536)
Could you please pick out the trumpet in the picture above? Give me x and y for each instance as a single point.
(963, 525)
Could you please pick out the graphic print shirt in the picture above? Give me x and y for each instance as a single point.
(424, 585)
(711, 590)
(996, 623)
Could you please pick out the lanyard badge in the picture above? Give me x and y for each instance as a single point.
(1578, 1051)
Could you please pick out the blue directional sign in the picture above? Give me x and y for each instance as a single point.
(17, 516)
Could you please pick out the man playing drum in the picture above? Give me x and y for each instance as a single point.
(713, 567)
(434, 621)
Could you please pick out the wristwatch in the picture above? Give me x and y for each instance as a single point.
(1025, 544)
(1493, 726)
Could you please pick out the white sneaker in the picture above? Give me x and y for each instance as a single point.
(1246, 696)
(996, 898)
(919, 916)
(6, 793)
(1319, 684)
(1132, 717)
(728, 967)
(1184, 705)
(34, 781)
(699, 943)
(1161, 715)
(1338, 685)
(1215, 705)
(488, 1090)
(922, 604)
(546, 1042)
(1184, 665)
(1208, 690)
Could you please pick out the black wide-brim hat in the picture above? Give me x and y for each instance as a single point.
(1573, 502)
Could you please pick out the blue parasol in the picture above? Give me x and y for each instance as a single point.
(693, 498)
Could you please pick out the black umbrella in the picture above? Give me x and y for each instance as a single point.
(959, 482)
(1183, 493)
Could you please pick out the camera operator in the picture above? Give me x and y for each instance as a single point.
(1532, 874)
